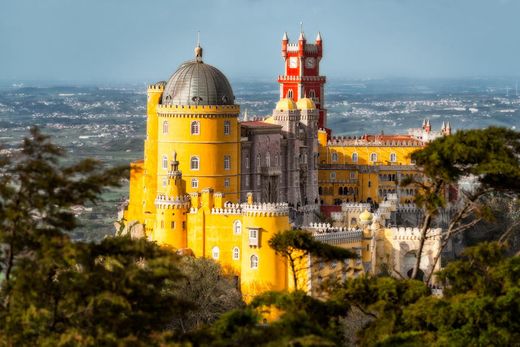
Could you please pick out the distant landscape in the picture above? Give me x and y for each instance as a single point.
(108, 122)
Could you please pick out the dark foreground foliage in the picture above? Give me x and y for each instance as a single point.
(124, 292)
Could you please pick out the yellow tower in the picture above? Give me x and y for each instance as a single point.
(198, 119)
(171, 209)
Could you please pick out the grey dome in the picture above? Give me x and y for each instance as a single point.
(196, 83)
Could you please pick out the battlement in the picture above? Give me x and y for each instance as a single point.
(375, 141)
(229, 208)
(414, 234)
(324, 232)
(193, 110)
(354, 207)
(266, 209)
(287, 78)
(165, 202)
(157, 87)
(408, 208)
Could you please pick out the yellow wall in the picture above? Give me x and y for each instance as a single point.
(210, 145)
(365, 172)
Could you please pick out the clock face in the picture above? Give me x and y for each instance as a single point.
(310, 63)
(293, 62)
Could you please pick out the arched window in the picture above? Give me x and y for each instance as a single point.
(215, 252)
(236, 253)
(373, 157)
(393, 157)
(227, 127)
(334, 157)
(195, 127)
(312, 94)
(268, 159)
(165, 127)
(194, 163)
(276, 160)
(164, 162)
(369, 184)
(320, 191)
(290, 94)
(340, 191)
(246, 162)
(194, 183)
(354, 157)
(237, 227)
(227, 162)
(254, 262)
(333, 175)
(258, 161)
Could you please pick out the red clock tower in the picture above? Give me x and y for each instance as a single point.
(302, 73)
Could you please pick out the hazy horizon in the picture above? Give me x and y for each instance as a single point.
(113, 41)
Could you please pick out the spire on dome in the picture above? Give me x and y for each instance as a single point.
(246, 118)
(285, 37)
(318, 37)
(198, 49)
(443, 127)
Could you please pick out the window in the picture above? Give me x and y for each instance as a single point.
(334, 157)
(236, 253)
(354, 157)
(333, 175)
(164, 162)
(247, 180)
(165, 127)
(162, 224)
(352, 175)
(369, 184)
(194, 183)
(373, 157)
(258, 180)
(227, 182)
(253, 237)
(172, 224)
(393, 157)
(164, 182)
(215, 252)
(195, 127)
(246, 162)
(290, 94)
(227, 127)
(312, 94)
(268, 160)
(276, 160)
(258, 161)
(194, 163)
(227, 162)
(237, 227)
(254, 262)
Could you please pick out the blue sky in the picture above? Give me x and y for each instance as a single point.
(139, 41)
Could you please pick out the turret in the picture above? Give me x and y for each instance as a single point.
(319, 44)
(301, 44)
(428, 126)
(171, 210)
(285, 41)
(448, 129)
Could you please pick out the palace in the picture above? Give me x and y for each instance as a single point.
(220, 187)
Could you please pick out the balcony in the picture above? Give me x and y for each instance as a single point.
(270, 171)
